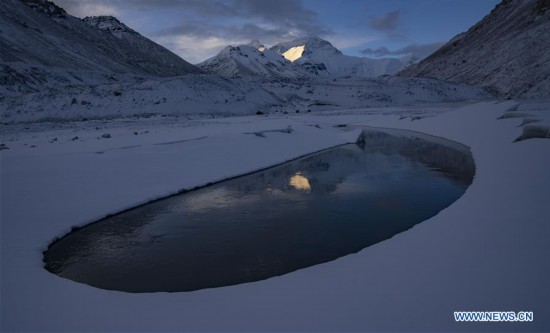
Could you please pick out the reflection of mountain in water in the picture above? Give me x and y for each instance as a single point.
(325, 170)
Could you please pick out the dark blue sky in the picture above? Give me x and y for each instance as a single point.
(198, 29)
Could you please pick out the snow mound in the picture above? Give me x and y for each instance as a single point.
(535, 117)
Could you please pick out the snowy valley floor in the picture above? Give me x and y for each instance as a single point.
(487, 251)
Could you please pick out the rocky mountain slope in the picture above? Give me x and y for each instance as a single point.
(162, 60)
(507, 52)
(42, 45)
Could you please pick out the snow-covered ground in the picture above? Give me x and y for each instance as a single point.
(487, 251)
(210, 95)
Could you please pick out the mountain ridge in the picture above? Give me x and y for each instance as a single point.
(44, 46)
(159, 53)
(507, 52)
(250, 60)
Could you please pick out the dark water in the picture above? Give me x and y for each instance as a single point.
(298, 214)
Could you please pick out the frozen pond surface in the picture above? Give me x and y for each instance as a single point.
(301, 213)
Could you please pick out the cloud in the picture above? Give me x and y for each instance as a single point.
(208, 8)
(256, 19)
(244, 31)
(378, 52)
(194, 49)
(419, 50)
(223, 21)
(387, 22)
(86, 7)
(289, 14)
(346, 41)
(283, 14)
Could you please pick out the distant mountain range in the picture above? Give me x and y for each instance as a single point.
(304, 57)
(54, 66)
(507, 53)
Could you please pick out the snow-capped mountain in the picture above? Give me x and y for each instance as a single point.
(305, 57)
(250, 60)
(42, 45)
(506, 53)
(321, 58)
